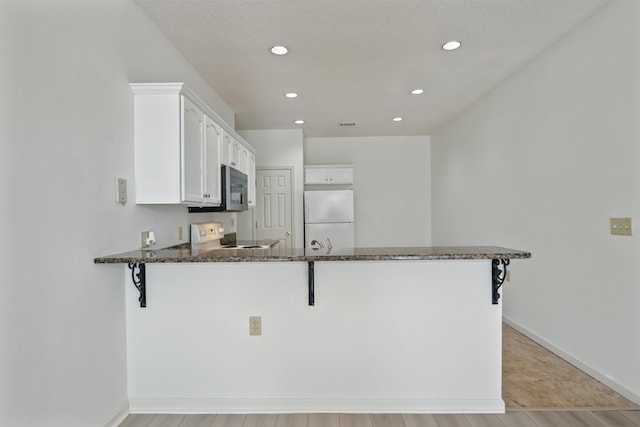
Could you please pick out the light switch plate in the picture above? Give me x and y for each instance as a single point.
(621, 226)
(121, 190)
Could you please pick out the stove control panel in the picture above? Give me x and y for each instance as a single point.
(206, 232)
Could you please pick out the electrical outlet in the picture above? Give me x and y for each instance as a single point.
(180, 232)
(508, 276)
(147, 238)
(121, 190)
(255, 325)
(621, 226)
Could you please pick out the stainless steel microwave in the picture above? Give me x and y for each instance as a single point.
(234, 186)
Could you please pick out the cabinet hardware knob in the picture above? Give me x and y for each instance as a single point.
(288, 233)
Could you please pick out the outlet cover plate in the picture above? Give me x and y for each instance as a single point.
(255, 325)
(144, 235)
(621, 226)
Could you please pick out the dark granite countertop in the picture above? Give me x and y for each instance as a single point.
(183, 253)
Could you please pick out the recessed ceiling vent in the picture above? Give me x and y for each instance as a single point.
(346, 124)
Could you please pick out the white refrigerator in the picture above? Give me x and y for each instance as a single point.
(329, 219)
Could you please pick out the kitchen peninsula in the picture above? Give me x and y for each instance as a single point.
(350, 330)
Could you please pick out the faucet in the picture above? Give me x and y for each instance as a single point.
(321, 246)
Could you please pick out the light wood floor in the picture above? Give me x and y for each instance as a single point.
(513, 418)
(532, 376)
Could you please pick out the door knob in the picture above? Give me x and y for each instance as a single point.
(288, 233)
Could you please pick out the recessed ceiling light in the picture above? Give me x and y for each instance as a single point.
(397, 119)
(291, 95)
(279, 50)
(452, 45)
(417, 92)
(299, 122)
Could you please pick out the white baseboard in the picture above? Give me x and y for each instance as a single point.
(574, 361)
(121, 413)
(271, 406)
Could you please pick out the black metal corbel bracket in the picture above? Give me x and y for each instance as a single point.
(139, 281)
(311, 278)
(498, 276)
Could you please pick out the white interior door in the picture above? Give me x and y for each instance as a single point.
(274, 219)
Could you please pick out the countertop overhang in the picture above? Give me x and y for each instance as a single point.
(138, 259)
(183, 254)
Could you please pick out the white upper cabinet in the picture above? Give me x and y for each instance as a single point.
(180, 144)
(235, 152)
(328, 174)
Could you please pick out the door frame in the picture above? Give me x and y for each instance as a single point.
(292, 176)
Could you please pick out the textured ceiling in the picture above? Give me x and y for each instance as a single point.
(357, 60)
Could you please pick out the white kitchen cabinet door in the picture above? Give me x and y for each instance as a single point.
(235, 153)
(211, 167)
(227, 148)
(243, 160)
(200, 150)
(316, 175)
(192, 152)
(328, 174)
(251, 174)
(341, 175)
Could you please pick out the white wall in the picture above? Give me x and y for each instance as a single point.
(541, 164)
(392, 186)
(279, 148)
(373, 342)
(66, 134)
